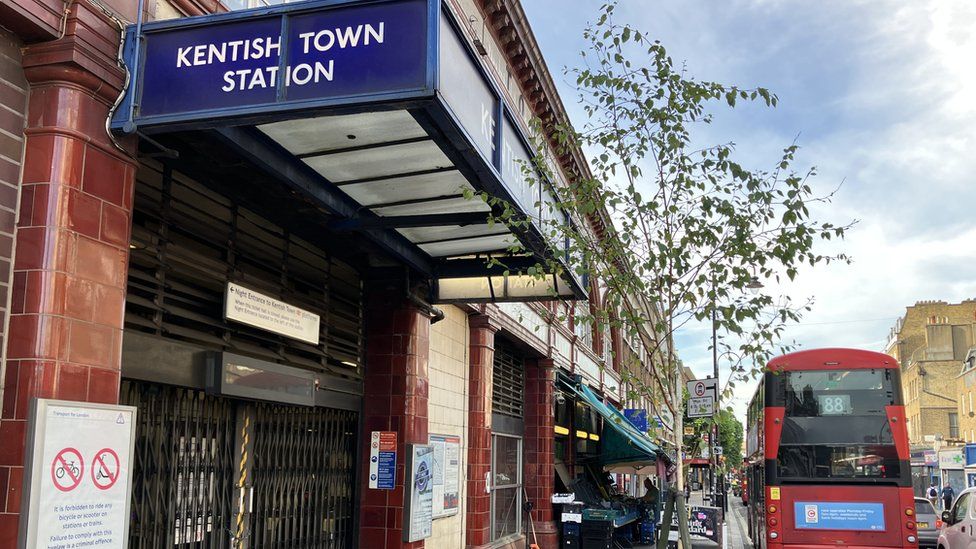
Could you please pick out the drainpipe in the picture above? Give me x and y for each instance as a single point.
(436, 315)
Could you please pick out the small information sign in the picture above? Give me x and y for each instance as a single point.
(382, 460)
(78, 482)
(267, 313)
(701, 406)
(638, 417)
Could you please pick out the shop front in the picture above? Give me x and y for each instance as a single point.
(597, 445)
(952, 464)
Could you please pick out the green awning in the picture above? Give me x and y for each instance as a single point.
(622, 444)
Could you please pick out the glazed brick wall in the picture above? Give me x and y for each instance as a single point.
(13, 117)
(540, 382)
(13, 109)
(395, 398)
(71, 240)
(482, 353)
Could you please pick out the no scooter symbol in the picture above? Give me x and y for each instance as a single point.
(105, 468)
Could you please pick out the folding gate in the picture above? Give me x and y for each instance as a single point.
(193, 449)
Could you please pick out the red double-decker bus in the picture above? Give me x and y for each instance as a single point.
(827, 453)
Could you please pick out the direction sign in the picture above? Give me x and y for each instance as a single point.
(701, 406)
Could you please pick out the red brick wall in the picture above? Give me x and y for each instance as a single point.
(482, 354)
(395, 399)
(71, 242)
(13, 108)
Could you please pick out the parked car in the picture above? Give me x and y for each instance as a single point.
(959, 523)
(928, 523)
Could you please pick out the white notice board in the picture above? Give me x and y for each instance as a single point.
(447, 474)
(78, 480)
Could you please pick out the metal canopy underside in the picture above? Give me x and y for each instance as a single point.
(388, 165)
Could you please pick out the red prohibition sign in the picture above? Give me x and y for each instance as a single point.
(67, 469)
(700, 389)
(105, 468)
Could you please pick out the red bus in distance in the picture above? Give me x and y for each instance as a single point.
(827, 457)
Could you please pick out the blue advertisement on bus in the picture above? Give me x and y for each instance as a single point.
(838, 515)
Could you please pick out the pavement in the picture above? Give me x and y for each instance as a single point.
(735, 529)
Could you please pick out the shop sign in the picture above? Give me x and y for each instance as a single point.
(262, 61)
(970, 454)
(637, 417)
(267, 313)
(419, 493)
(951, 459)
(931, 458)
(382, 460)
(78, 483)
(702, 521)
(447, 475)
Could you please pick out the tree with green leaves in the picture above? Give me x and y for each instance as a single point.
(730, 438)
(686, 230)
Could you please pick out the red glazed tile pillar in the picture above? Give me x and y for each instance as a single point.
(540, 379)
(71, 241)
(482, 355)
(395, 399)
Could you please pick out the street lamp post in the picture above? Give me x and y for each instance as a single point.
(753, 286)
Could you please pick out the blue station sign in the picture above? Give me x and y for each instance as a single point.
(259, 61)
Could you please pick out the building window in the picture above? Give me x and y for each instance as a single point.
(582, 329)
(953, 425)
(506, 486)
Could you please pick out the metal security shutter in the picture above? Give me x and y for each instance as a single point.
(304, 463)
(508, 381)
(189, 241)
(184, 467)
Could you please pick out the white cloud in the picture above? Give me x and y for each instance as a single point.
(883, 95)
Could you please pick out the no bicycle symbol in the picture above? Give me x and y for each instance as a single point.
(67, 469)
(105, 468)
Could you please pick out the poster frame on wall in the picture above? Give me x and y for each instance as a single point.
(418, 493)
(445, 471)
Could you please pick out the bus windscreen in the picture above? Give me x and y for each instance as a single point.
(835, 425)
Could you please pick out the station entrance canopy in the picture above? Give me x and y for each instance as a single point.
(378, 112)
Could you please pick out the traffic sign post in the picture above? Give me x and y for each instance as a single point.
(77, 481)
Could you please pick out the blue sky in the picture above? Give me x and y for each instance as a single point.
(882, 95)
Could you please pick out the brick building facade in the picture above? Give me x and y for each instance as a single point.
(114, 255)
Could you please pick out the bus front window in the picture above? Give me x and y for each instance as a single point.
(835, 425)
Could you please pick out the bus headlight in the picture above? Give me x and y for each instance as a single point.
(773, 535)
(911, 539)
